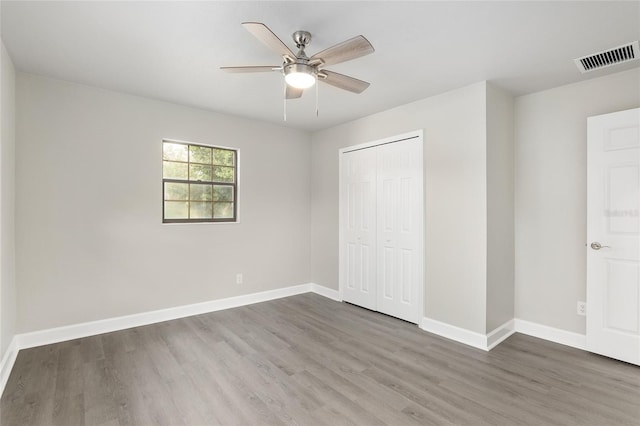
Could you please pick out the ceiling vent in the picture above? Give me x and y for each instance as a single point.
(607, 58)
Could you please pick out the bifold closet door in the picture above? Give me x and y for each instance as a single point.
(399, 228)
(358, 264)
(381, 224)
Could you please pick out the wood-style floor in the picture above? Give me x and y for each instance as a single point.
(308, 360)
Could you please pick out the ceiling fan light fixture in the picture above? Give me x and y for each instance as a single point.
(300, 76)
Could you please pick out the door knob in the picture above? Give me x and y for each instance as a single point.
(597, 246)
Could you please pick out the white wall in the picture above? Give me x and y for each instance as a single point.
(455, 198)
(7, 201)
(500, 215)
(90, 242)
(550, 188)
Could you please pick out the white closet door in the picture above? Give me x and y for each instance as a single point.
(358, 214)
(381, 215)
(399, 228)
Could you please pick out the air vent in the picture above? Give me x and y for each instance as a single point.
(607, 58)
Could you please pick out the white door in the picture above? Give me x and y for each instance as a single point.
(358, 265)
(381, 227)
(613, 234)
(399, 199)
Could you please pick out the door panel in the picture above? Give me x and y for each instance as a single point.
(365, 271)
(388, 273)
(358, 270)
(621, 296)
(406, 276)
(623, 196)
(406, 192)
(400, 198)
(613, 220)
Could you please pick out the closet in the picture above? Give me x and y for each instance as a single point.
(381, 226)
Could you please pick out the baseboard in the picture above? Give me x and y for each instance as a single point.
(451, 332)
(329, 293)
(564, 337)
(500, 334)
(76, 331)
(497, 336)
(486, 342)
(6, 364)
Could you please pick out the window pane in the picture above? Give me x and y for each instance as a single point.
(176, 191)
(223, 210)
(174, 151)
(200, 192)
(222, 193)
(223, 174)
(199, 154)
(203, 186)
(198, 172)
(176, 210)
(200, 210)
(174, 170)
(223, 157)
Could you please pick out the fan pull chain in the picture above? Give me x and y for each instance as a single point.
(284, 100)
(317, 98)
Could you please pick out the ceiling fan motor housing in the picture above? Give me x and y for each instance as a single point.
(302, 39)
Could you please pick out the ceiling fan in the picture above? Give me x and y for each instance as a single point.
(300, 71)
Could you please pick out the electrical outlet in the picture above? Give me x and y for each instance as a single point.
(582, 308)
(238, 278)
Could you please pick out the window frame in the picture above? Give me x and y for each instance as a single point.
(234, 184)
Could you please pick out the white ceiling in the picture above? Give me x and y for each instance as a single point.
(172, 51)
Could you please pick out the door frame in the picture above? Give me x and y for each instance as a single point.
(419, 134)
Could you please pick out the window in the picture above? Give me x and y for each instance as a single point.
(199, 183)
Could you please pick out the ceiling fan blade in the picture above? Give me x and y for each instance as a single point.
(266, 36)
(292, 92)
(252, 68)
(345, 51)
(342, 81)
